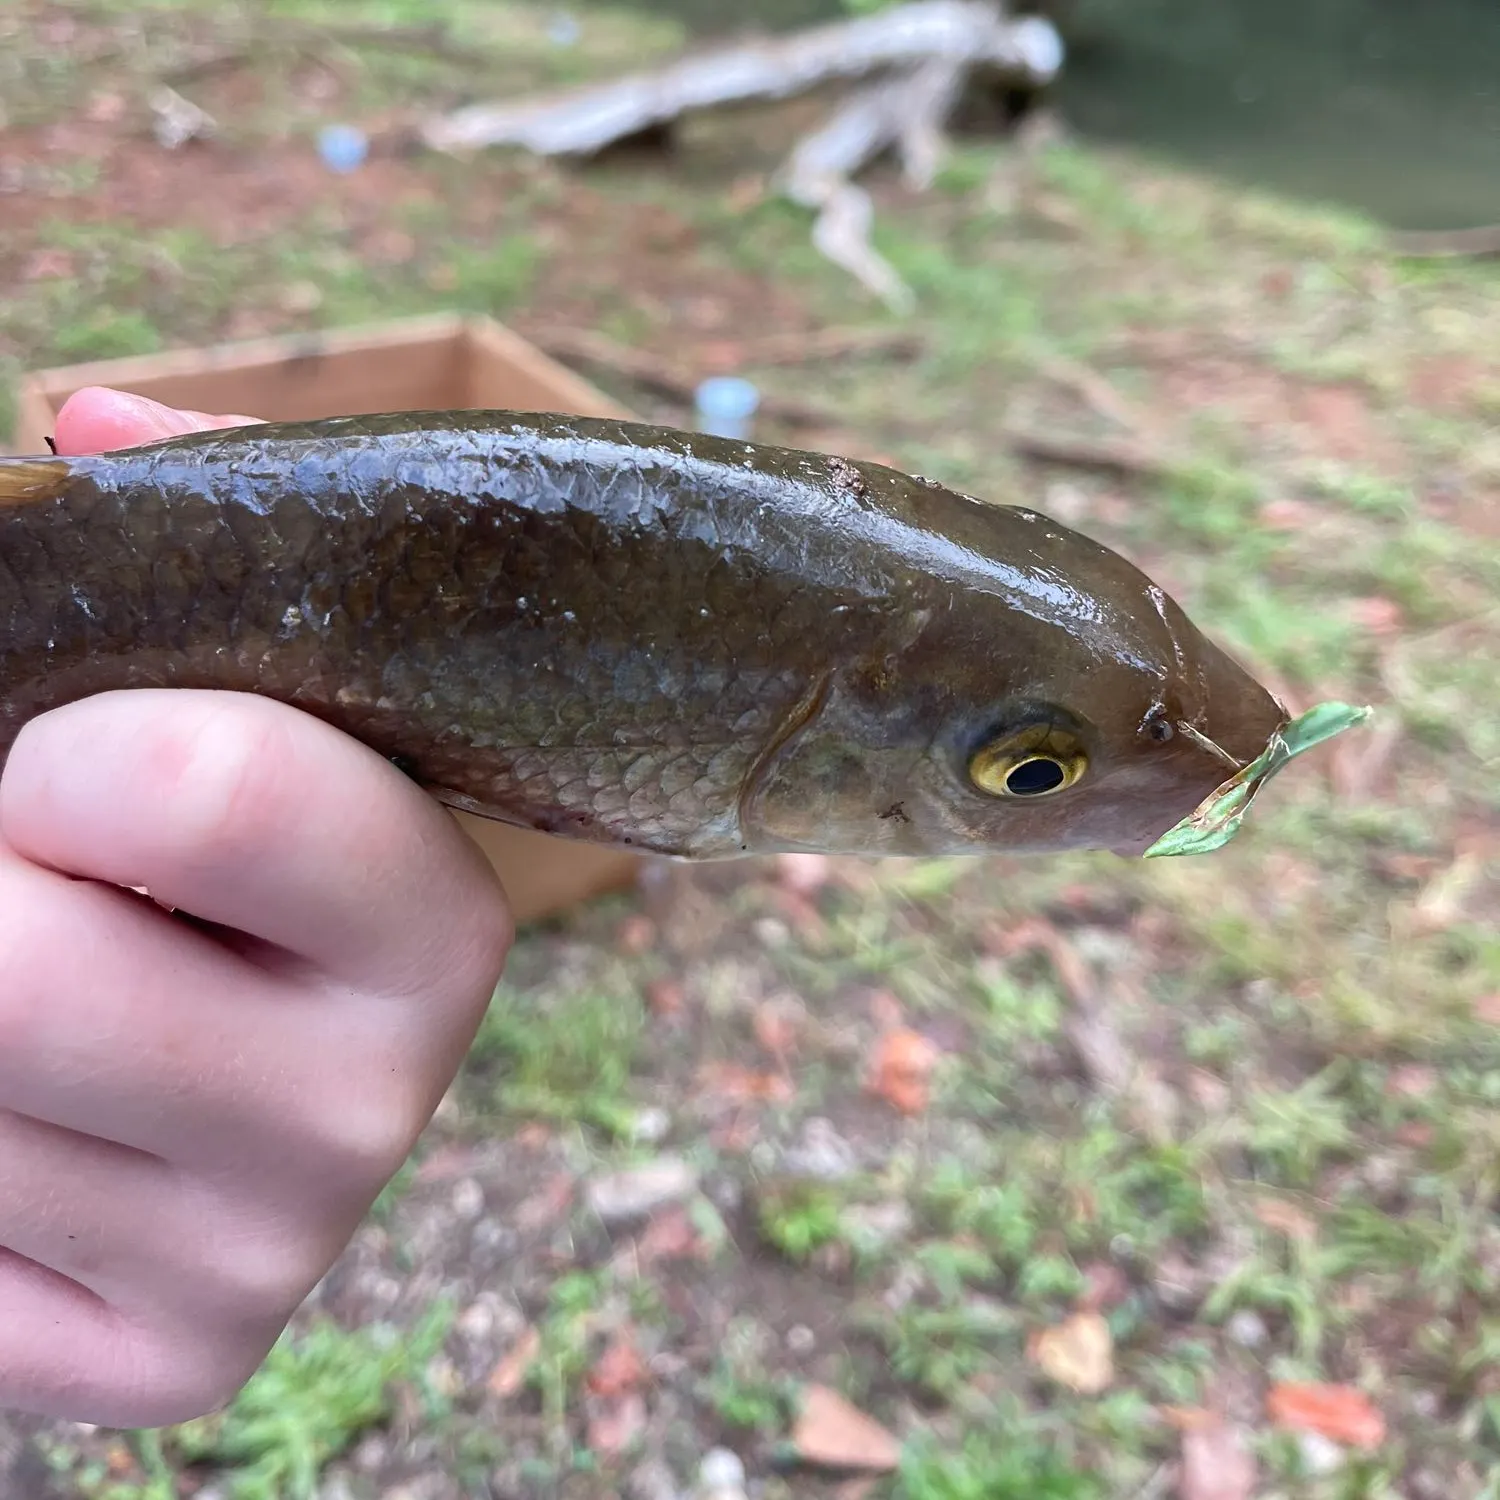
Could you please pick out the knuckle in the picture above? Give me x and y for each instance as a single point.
(487, 939)
(260, 1276)
(36, 924)
(183, 1375)
(228, 778)
(363, 1138)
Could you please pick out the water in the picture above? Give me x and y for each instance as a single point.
(1388, 106)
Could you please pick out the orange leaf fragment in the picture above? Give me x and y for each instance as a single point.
(1078, 1353)
(671, 1235)
(831, 1432)
(618, 1370)
(1487, 1008)
(615, 1426)
(510, 1374)
(1286, 1218)
(1339, 1412)
(733, 1084)
(901, 1072)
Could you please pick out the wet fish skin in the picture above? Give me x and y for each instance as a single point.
(625, 634)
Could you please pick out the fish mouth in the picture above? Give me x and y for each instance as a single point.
(1266, 717)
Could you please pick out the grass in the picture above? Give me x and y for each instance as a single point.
(561, 1056)
(1311, 1004)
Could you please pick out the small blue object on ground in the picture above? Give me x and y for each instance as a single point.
(725, 406)
(343, 147)
(563, 30)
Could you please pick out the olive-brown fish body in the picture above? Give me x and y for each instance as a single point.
(627, 634)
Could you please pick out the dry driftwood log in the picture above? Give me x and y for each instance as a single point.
(910, 62)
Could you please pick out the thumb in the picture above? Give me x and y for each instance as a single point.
(96, 419)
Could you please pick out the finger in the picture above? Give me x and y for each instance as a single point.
(107, 1230)
(62, 1350)
(97, 419)
(66, 1353)
(253, 815)
(144, 1236)
(119, 1023)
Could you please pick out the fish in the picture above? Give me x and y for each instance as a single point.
(632, 635)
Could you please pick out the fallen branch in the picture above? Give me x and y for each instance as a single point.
(911, 60)
(1114, 455)
(906, 113)
(819, 347)
(831, 343)
(674, 381)
(585, 119)
(1095, 392)
(1446, 244)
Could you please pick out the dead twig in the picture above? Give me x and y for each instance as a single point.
(832, 343)
(1098, 394)
(1115, 456)
(1446, 244)
(674, 381)
(818, 347)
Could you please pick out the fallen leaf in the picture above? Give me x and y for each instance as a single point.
(547, 1205)
(804, 873)
(1411, 1081)
(1287, 515)
(670, 1235)
(732, 1084)
(615, 1426)
(618, 1370)
(509, 1375)
(778, 1024)
(1216, 1463)
(1487, 1008)
(721, 356)
(47, 264)
(636, 934)
(802, 914)
(1104, 1285)
(885, 1010)
(1334, 1411)
(831, 1432)
(665, 998)
(1286, 1218)
(1376, 616)
(1077, 1353)
(901, 1070)
(105, 109)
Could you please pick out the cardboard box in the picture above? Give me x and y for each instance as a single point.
(433, 363)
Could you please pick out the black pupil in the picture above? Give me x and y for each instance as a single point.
(1032, 777)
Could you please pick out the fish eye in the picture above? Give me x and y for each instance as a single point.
(1035, 762)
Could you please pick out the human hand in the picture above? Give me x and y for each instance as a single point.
(197, 1108)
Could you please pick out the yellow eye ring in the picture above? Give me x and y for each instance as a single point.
(1035, 762)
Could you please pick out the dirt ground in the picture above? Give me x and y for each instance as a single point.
(1079, 1178)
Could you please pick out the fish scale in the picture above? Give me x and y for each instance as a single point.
(626, 633)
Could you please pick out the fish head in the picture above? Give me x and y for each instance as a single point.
(1038, 694)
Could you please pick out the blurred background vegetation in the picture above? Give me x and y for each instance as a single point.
(1078, 1179)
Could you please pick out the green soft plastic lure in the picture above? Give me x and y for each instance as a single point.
(1218, 817)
